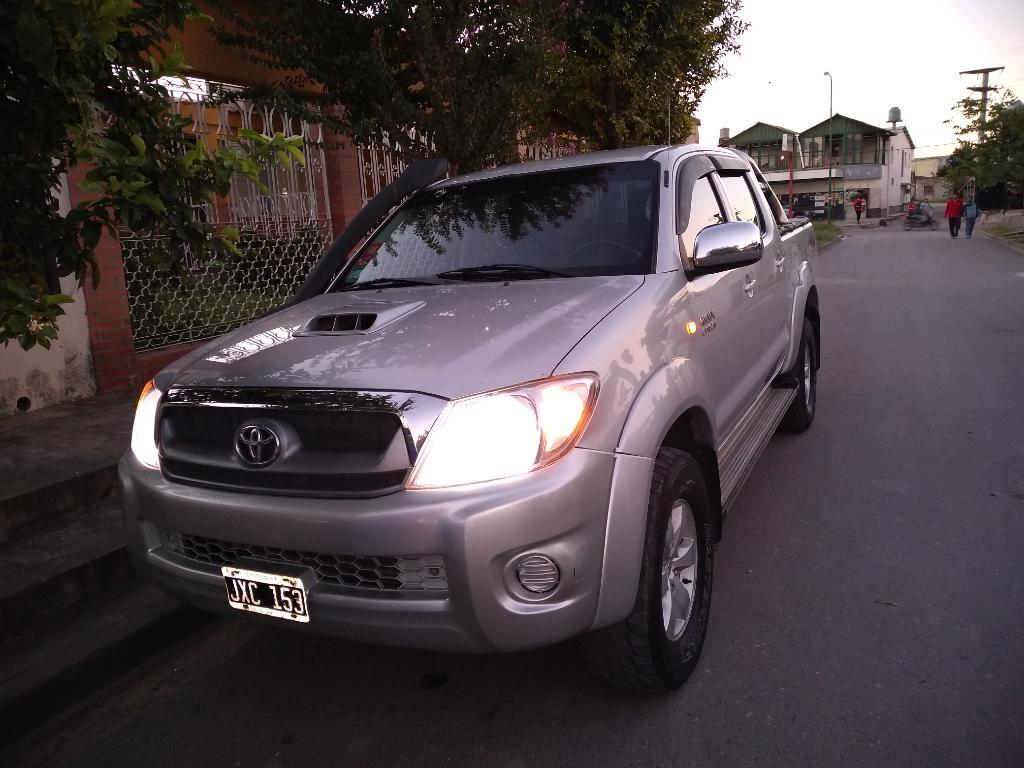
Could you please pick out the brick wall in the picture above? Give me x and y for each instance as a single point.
(342, 167)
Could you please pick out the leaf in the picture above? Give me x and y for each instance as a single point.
(284, 158)
(297, 154)
(139, 144)
(151, 201)
(58, 298)
(91, 232)
(18, 287)
(259, 138)
(16, 323)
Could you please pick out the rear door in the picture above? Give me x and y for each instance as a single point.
(766, 288)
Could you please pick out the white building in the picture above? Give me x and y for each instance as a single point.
(860, 158)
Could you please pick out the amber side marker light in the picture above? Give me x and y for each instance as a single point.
(691, 327)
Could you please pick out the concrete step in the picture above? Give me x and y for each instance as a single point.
(51, 506)
(62, 663)
(60, 462)
(44, 576)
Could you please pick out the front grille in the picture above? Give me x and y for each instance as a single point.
(387, 573)
(328, 451)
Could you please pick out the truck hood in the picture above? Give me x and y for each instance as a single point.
(447, 340)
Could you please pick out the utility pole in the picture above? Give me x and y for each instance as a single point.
(828, 203)
(983, 90)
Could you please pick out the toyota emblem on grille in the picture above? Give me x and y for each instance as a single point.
(257, 445)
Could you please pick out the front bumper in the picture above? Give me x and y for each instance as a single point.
(480, 531)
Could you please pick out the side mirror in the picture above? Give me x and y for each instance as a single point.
(726, 246)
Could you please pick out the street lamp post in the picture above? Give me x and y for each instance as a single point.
(828, 203)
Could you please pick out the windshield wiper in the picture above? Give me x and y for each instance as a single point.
(500, 272)
(387, 282)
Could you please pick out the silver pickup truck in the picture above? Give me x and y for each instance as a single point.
(516, 412)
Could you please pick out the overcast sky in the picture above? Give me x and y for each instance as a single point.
(881, 53)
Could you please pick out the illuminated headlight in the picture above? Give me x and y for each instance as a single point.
(505, 433)
(144, 429)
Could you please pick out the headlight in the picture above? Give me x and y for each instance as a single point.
(144, 429)
(505, 433)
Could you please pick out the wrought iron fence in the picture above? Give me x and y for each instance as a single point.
(379, 165)
(284, 228)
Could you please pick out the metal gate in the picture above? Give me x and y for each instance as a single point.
(284, 230)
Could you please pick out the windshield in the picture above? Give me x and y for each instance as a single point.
(596, 220)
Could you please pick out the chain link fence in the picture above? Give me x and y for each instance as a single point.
(284, 228)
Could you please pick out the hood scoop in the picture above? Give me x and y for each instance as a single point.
(368, 318)
(345, 323)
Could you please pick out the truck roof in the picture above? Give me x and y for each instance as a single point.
(632, 154)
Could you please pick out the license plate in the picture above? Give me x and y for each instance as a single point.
(266, 593)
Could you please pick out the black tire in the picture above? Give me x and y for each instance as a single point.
(800, 415)
(637, 653)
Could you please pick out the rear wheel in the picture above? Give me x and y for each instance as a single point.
(801, 411)
(657, 646)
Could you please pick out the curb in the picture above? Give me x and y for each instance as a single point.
(829, 244)
(1001, 241)
(60, 688)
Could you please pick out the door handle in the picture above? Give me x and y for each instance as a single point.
(748, 287)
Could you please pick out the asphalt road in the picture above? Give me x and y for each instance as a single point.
(868, 603)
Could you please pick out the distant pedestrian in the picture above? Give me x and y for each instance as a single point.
(954, 210)
(971, 214)
(858, 206)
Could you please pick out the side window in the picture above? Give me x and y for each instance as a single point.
(704, 212)
(741, 201)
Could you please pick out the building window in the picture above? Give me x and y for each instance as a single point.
(929, 190)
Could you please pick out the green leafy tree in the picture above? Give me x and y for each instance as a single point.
(474, 78)
(619, 68)
(85, 82)
(1000, 157)
(459, 76)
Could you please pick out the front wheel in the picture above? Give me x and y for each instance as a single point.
(657, 646)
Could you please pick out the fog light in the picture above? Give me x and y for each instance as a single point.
(537, 573)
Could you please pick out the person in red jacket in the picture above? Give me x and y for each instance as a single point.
(954, 210)
(858, 205)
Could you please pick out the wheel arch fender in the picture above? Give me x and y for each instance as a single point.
(805, 304)
(672, 408)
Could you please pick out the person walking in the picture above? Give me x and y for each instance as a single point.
(954, 209)
(971, 214)
(858, 206)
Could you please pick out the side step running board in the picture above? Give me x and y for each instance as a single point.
(741, 449)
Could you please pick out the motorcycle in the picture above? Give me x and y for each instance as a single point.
(917, 222)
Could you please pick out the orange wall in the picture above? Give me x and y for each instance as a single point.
(210, 60)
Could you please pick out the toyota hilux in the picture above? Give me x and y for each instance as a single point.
(514, 410)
